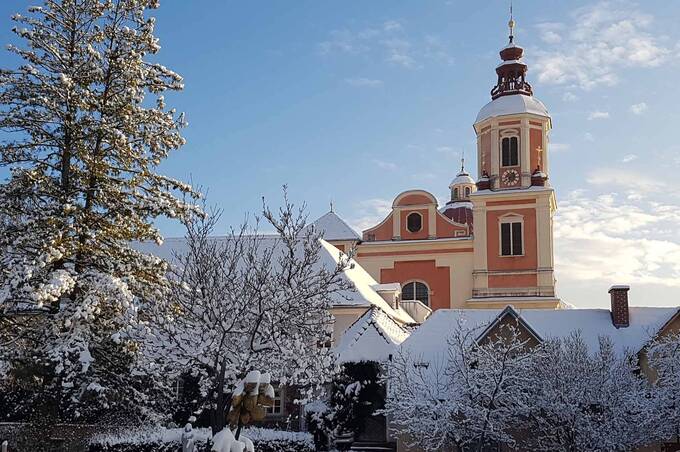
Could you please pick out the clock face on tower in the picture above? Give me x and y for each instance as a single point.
(510, 177)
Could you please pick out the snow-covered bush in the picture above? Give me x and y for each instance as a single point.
(664, 360)
(580, 399)
(543, 396)
(169, 440)
(357, 394)
(471, 398)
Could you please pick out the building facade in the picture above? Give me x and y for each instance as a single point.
(492, 244)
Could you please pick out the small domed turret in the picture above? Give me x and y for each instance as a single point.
(459, 208)
(462, 186)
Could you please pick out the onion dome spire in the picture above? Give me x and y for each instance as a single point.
(512, 71)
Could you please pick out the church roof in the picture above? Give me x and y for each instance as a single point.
(363, 295)
(510, 105)
(372, 337)
(459, 212)
(334, 228)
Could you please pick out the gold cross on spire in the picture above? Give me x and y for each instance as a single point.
(511, 24)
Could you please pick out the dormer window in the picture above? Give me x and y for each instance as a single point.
(510, 151)
(414, 222)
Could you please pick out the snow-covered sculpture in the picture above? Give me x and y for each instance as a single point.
(225, 441)
(250, 398)
(188, 444)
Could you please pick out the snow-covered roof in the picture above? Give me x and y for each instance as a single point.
(429, 340)
(388, 287)
(372, 337)
(364, 293)
(456, 205)
(462, 178)
(363, 296)
(504, 63)
(510, 105)
(334, 228)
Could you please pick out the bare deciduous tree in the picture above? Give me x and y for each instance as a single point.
(247, 301)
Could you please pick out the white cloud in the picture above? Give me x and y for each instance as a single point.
(559, 147)
(388, 42)
(638, 109)
(392, 25)
(399, 52)
(629, 158)
(364, 82)
(370, 212)
(627, 179)
(588, 137)
(390, 166)
(569, 97)
(615, 240)
(598, 41)
(598, 115)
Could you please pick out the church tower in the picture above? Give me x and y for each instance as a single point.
(514, 204)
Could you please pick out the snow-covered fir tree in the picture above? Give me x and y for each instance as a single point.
(586, 400)
(247, 301)
(85, 126)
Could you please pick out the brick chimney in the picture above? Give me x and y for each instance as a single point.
(619, 300)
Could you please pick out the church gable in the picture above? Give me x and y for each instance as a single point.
(415, 216)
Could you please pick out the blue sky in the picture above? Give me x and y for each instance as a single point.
(356, 101)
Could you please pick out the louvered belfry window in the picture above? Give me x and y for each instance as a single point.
(510, 151)
(511, 239)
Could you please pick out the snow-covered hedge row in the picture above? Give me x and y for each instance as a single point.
(169, 440)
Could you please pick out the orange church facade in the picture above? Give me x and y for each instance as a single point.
(492, 244)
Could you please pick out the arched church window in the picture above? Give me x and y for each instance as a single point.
(455, 193)
(467, 191)
(414, 222)
(416, 290)
(510, 151)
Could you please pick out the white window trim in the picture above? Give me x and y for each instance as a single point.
(281, 398)
(510, 218)
(421, 222)
(429, 291)
(509, 134)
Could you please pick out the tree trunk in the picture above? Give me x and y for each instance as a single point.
(218, 420)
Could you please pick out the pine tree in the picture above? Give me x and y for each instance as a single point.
(86, 126)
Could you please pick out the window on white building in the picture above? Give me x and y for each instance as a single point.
(277, 409)
(178, 388)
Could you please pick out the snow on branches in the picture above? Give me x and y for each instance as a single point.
(83, 143)
(557, 394)
(469, 397)
(246, 301)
